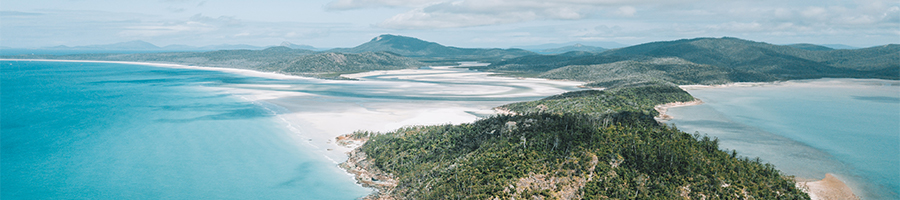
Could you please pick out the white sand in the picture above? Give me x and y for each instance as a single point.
(317, 119)
(829, 188)
(319, 127)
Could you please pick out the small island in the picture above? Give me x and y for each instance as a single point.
(578, 145)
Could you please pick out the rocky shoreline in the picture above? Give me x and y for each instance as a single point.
(365, 172)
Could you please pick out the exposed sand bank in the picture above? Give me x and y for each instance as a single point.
(829, 188)
(393, 99)
(662, 117)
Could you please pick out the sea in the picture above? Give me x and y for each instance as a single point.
(846, 127)
(81, 130)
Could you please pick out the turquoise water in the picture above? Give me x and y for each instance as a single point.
(117, 131)
(847, 127)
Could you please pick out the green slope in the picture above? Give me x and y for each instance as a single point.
(430, 51)
(725, 60)
(614, 150)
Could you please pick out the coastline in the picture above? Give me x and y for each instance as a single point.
(662, 108)
(245, 72)
(438, 95)
(840, 181)
(827, 188)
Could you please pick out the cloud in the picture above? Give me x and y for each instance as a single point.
(197, 24)
(626, 11)
(466, 13)
(358, 4)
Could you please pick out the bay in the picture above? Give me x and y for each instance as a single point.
(848, 127)
(79, 130)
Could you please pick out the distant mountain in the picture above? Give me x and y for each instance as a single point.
(273, 59)
(138, 45)
(430, 51)
(229, 47)
(757, 61)
(839, 46)
(130, 45)
(576, 47)
(811, 47)
(296, 46)
(538, 48)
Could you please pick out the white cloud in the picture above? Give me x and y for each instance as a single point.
(357, 4)
(197, 24)
(466, 13)
(626, 11)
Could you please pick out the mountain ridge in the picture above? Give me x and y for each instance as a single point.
(758, 60)
(431, 51)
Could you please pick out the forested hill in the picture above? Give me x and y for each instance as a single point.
(735, 60)
(607, 147)
(430, 51)
(274, 59)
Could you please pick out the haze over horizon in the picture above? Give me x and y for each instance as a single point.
(461, 23)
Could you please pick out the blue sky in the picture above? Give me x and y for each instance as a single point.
(462, 23)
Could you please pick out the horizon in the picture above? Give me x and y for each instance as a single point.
(329, 24)
(212, 47)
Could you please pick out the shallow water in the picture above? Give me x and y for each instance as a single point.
(847, 127)
(116, 131)
(76, 130)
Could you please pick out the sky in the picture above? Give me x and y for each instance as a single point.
(461, 23)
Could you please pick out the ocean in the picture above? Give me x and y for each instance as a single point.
(78, 130)
(847, 127)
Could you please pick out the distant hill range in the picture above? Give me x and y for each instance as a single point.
(138, 45)
(575, 47)
(811, 47)
(686, 61)
(431, 51)
(279, 59)
(541, 47)
(720, 60)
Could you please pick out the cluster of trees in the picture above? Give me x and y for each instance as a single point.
(639, 98)
(576, 154)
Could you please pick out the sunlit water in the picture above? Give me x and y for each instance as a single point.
(847, 127)
(77, 130)
(116, 131)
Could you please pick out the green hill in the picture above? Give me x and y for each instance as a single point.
(811, 47)
(619, 152)
(711, 60)
(576, 47)
(430, 51)
(325, 63)
(274, 59)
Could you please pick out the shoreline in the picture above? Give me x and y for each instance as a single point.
(246, 72)
(662, 108)
(314, 121)
(832, 186)
(826, 188)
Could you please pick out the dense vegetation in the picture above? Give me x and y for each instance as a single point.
(672, 70)
(630, 98)
(710, 61)
(273, 59)
(608, 147)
